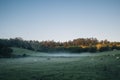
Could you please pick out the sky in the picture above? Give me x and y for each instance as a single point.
(60, 20)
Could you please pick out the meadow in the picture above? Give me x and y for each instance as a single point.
(47, 66)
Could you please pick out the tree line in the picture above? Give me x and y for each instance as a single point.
(75, 46)
(5, 51)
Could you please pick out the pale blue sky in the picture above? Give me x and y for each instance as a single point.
(60, 20)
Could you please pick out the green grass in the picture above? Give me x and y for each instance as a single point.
(102, 66)
(21, 51)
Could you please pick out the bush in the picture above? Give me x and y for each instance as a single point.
(92, 49)
(24, 55)
(106, 48)
(5, 51)
(75, 49)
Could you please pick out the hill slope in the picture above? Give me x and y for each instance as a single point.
(21, 51)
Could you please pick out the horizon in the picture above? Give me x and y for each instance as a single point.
(60, 20)
(59, 40)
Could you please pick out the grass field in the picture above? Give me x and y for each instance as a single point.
(42, 66)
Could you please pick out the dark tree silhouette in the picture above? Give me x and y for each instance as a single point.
(5, 51)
